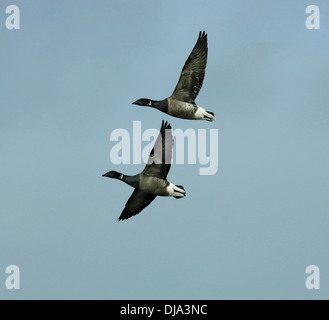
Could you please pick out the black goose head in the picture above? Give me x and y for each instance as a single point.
(143, 102)
(113, 174)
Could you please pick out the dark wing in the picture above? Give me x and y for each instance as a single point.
(192, 75)
(159, 161)
(136, 203)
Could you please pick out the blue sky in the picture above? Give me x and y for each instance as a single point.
(68, 78)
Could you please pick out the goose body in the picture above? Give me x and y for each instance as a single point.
(185, 110)
(181, 103)
(152, 181)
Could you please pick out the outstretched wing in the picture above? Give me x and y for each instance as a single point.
(159, 161)
(192, 75)
(136, 203)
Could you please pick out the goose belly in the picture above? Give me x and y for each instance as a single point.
(154, 186)
(181, 109)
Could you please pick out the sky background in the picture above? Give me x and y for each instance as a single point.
(68, 78)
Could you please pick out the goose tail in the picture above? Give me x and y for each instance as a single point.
(179, 192)
(209, 116)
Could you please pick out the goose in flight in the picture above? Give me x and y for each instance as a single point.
(181, 103)
(152, 181)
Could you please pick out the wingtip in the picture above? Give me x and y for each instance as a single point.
(124, 217)
(165, 125)
(202, 34)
